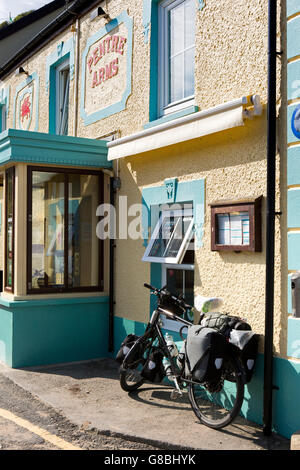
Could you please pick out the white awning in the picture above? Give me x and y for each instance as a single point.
(216, 119)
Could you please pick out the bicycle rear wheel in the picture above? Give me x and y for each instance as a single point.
(216, 405)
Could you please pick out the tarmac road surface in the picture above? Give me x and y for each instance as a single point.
(28, 424)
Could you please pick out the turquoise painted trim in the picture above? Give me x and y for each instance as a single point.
(201, 4)
(293, 44)
(51, 332)
(286, 400)
(292, 7)
(293, 333)
(6, 336)
(4, 101)
(147, 4)
(62, 51)
(293, 207)
(40, 148)
(121, 105)
(294, 251)
(34, 79)
(189, 191)
(52, 301)
(293, 80)
(293, 165)
(171, 117)
(153, 95)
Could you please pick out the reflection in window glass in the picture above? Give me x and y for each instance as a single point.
(65, 250)
(48, 222)
(9, 254)
(170, 237)
(83, 254)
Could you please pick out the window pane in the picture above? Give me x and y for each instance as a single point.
(177, 29)
(189, 23)
(177, 78)
(62, 84)
(48, 221)
(189, 60)
(2, 118)
(9, 227)
(170, 236)
(181, 281)
(83, 244)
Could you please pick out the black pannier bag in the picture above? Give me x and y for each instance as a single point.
(248, 356)
(224, 323)
(232, 327)
(153, 369)
(205, 353)
(125, 347)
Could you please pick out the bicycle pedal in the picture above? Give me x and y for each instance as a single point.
(176, 394)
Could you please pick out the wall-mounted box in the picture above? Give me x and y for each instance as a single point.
(236, 225)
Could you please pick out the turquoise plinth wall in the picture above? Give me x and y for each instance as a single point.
(37, 332)
(286, 409)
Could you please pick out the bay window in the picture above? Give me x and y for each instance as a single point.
(9, 228)
(64, 253)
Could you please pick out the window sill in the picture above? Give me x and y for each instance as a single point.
(52, 299)
(172, 116)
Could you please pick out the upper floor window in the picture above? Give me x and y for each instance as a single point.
(176, 54)
(2, 118)
(62, 97)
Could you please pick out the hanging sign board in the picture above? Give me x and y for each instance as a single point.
(106, 70)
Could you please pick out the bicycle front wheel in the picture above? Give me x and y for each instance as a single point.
(216, 405)
(130, 377)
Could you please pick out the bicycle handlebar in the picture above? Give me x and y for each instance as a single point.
(174, 297)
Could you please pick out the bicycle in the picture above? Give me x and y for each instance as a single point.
(215, 404)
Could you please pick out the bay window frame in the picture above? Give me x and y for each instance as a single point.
(65, 288)
(7, 288)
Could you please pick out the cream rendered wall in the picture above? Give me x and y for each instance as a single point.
(231, 61)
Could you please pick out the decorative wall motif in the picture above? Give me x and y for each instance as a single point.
(26, 104)
(106, 70)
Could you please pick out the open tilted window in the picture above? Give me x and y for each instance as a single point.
(170, 237)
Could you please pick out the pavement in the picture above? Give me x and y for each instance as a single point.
(89, 395)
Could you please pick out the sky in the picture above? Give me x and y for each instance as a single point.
(19, 6)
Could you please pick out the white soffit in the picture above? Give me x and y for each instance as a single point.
(216, 119)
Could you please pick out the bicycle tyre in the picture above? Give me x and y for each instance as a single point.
(218, 409)
(128, 374)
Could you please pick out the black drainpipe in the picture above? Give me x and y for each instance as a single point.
(270, 219)
(111, 275)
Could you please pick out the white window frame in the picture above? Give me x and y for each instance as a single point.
(62, 96)
(164, 106)
(185, 241)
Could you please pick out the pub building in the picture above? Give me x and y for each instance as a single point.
(133, 108)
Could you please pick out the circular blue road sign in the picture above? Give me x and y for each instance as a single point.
(296, 122)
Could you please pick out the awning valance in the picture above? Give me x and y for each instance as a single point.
(216, 119)
(41, 148)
